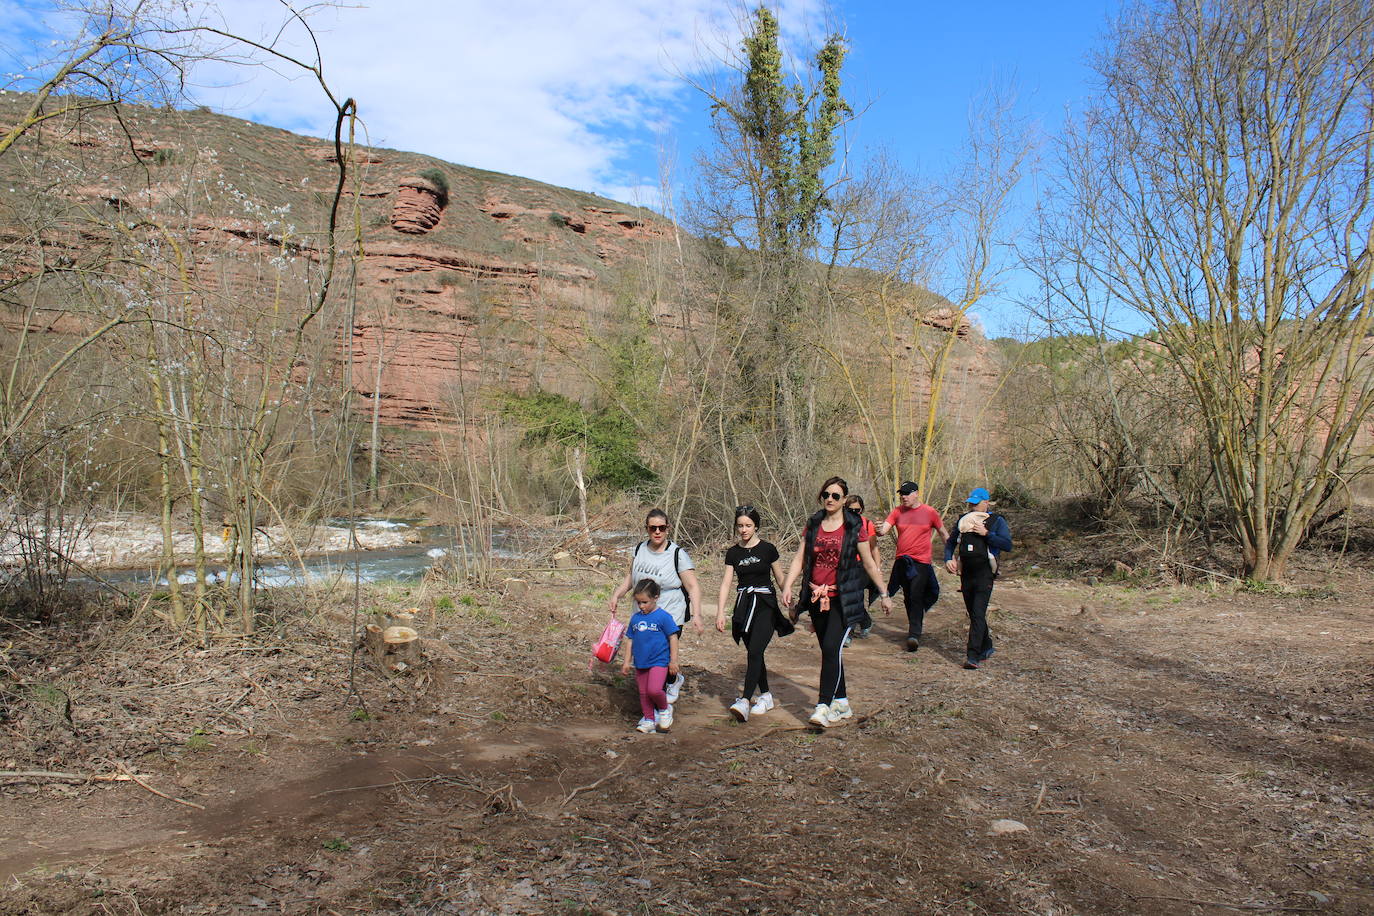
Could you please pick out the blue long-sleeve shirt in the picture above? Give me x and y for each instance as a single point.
(999, 537)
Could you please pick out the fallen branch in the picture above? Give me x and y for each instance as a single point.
(760, 737)
(179, 801)
(64, 777)
(1272, 907)
(1189, 798)
(452, 780)
(615, 772)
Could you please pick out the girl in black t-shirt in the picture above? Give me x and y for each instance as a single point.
(756, 565)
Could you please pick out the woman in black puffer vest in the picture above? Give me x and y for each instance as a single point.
(834, 563)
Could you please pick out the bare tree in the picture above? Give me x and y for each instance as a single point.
(1217, 198)
(214, 385)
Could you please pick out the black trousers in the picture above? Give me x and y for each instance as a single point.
(755, 671)
(831, 629)
(977, 589)
(920, 591)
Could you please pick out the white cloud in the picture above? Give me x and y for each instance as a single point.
(575, 94)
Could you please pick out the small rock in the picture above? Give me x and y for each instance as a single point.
(1005, 826)
(1318, 896)
(640, 882)
(564, 560)
(524, 888)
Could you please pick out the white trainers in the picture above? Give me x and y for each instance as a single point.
(646, 726)
(821, 717)
(664, 719)
(674, 687)
(740, 709)
(762, 704)
(839, 709)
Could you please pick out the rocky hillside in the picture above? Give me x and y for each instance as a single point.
(493, 280)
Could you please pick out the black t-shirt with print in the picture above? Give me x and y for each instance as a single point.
(753, 565)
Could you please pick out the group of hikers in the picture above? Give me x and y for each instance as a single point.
(836, 567)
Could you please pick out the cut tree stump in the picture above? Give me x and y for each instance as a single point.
(394, 649)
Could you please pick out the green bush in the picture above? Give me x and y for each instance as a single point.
(608, 436)
(440, 182)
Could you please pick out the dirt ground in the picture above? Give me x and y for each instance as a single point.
(1168, 750)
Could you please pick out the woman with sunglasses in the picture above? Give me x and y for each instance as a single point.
(668, 564)
(756, 618)
(832, 561)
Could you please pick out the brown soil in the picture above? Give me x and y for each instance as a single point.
(1169, 750)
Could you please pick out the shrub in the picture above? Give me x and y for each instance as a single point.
(608, 435)
(440, 182)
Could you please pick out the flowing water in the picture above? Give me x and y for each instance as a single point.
(427, 546)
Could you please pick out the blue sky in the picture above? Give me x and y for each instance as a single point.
(591, 95)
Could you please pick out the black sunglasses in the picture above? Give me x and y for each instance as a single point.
(743, 510)
(654, 529)
(832, 495)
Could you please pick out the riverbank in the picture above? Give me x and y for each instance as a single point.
(127, 540)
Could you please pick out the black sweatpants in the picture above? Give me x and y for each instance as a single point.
(755, 671)
(831, 630)
(977, 589)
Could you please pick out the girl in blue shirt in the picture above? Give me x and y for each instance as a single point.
(652, 635)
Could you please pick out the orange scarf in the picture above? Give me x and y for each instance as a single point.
(821, 595)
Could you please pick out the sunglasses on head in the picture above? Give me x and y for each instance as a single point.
(743, 510)
(655, 529)
(831, 494)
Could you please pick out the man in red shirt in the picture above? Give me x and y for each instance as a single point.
(911, 570)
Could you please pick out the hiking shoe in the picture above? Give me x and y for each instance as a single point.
(821, 716)
(848, 638)
(864, 632)
(674, 688)
(664, 718)
(839, 709)
(740, 709)
(987, 655)
(912, 644)
(762, 704)
(647, 726)
(971, 664)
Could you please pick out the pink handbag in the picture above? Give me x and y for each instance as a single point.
(606, 648)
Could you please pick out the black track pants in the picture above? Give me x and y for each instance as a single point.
(831, 630)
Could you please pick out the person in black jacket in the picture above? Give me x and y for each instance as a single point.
(835, 565)
(971, 551)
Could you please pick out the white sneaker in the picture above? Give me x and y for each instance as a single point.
(740, 709)
(839, 709)
(664, 719)
(674, 687)
(821, 716)
(762, 704)
(646, 726)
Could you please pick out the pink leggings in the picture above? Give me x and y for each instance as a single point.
(651, 695)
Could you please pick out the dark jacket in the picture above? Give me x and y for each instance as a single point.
(850, 579)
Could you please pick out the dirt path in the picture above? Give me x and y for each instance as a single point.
(1168, 752)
